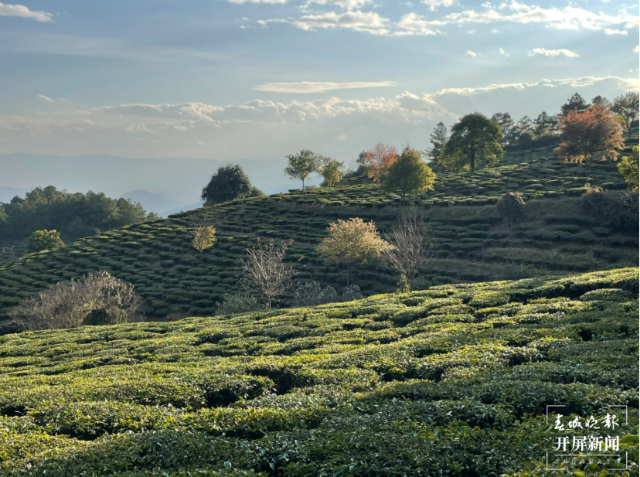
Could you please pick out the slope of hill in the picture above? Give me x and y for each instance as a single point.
(449, 381)
(472, 243)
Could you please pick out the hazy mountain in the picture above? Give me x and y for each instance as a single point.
(159, 184)
(8, 193)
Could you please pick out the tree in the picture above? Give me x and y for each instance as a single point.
(378, 159)
(302, 165)
(628, 167)
(510, 206)
(439, 138)
(265, 272)
(44, 240)
(351, 242)
(228, 183)
(203, 238)
(99, 299)
(410, 243)
(409, 174)
(331, 171)
(601, 100)
(627, 107)
(545, 124)
(506, 123)
(474, 140)
(574, 103)
(588, 134)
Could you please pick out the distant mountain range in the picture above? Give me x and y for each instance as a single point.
(163, 186)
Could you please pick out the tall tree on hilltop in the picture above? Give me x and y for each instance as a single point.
(627, 107)
(601, 100)
(439, 138)
(378, 159)
(331, 170)
(545, 124)
(409, 174)
(590, 134)
(302, 165)
(628, 167)
(474, 141)
(228, 183)
(506, 123)
(523, 130)
(574, 103)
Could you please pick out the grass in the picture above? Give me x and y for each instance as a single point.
(472, 243)
(449, 381)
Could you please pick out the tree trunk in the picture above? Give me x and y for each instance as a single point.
(303, 184)
(348, 270)
(473, 161)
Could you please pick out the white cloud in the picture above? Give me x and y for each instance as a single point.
(342, 137)
(433, 4)
(560, 52)
(636, 49)
(188, 110)
(346, 4)
(369, 22)
(46, 98)
(414, 24)
(502, 52)
(471, 53)
(24, 12)
(240, 2)
(317, 86)
(567, 18)
(611, 31)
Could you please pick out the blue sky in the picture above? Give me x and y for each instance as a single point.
(258, 80)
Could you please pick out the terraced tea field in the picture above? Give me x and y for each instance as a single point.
(471, 242)
(449, 381)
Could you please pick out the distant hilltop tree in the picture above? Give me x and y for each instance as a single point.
(588, 135)
(627, 107)
(438, 139)
(73, 215)
(475, 141)
(409, 174)
(302, 165)
(331, 170)
(574, 103)
(377, 159)
(628, 167)
(228, 183)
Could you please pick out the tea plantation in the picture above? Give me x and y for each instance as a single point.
(471, 242)
(449, 381)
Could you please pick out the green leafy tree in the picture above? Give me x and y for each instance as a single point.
(507, 125)
(352, 242)
(628, 167)
(627, 107)
(601, 100)
(203, 238)
(439, 138)
(44, 240)
(228, 183)
(545, 124)
(475, 140)
(409, 174)
(331, 170)
(302, 165)
(574, 103)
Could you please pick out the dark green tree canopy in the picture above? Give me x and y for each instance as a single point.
(545, 124)
(507, 125)
(575, 103)
(72, 214)
(438, 139)
(475, 141)
(228, 183)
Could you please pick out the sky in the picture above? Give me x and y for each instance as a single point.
(238, 80)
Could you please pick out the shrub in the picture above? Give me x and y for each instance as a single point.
(619, 210)
(351, 293)
(510, 206)
(44, 240)
(238, 303)
(99, 299)
(311, 294)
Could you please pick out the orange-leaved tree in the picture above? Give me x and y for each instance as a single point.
(588, 135)
(378, 159)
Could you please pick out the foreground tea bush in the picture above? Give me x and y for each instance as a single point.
(449, 381)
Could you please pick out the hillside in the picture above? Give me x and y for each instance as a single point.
(453, 380)
(472, 243)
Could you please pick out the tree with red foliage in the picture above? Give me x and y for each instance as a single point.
(378, 159)
(589, 135)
